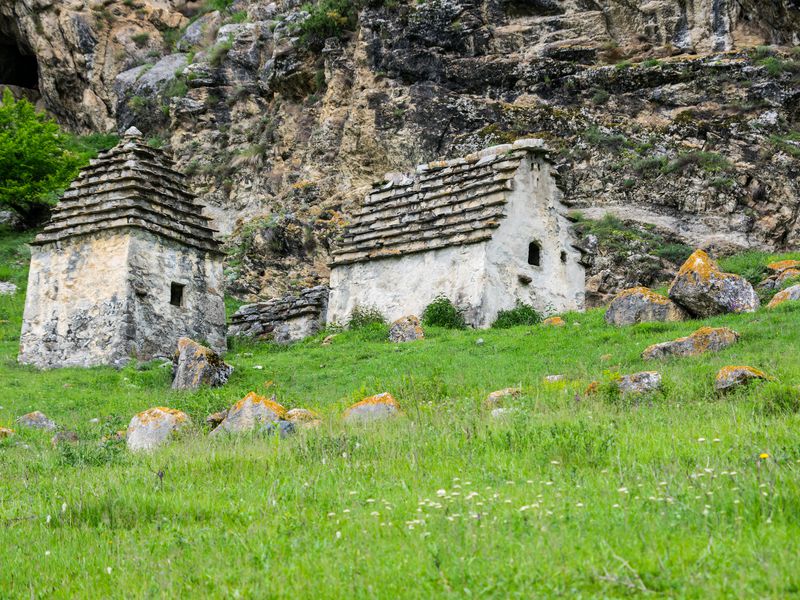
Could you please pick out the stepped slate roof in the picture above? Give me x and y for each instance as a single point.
(445, 203)
(131, 185)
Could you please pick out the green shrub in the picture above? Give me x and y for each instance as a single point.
(141, 39)
(711, 162)
(37, 160)
(364, 316)
(649, 164)
(788, 143)
(676, 253)
(238, 17)
(443, 313)
(218, 53)
(327, 18)
(176, 88)
(600, 96)
(613, 141)
(521, 314)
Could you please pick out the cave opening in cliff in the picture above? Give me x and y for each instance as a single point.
(17, 68)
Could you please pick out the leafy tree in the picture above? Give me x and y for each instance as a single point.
(37, 160)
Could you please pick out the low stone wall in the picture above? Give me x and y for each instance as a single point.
(283, 320)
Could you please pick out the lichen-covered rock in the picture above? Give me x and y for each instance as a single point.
(5, 432)
(790, 294)
(153, 427)
(7, 288)
(705, 339)
(639, 383)
(553, 322)
(782, 265)
(496, 398)
(194, 365)
(303, 417)
(37, 420)
(250, 413)
(777, 280)
(64, 437)
(214, 419)
(406, 329)
(374, 408)
(554, 378)
(704, 290)
(733, 376)
(641, 305)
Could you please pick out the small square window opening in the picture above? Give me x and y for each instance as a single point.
(176, 294)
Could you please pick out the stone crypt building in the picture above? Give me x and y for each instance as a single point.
(486, 231)
(126, 266)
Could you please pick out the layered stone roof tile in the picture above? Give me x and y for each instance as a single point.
(444, 203)
(131, 185)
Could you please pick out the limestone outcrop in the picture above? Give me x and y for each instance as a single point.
(641, 305)
(662, 113)
(704, 290)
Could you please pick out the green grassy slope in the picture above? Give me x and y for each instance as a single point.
(587, 497)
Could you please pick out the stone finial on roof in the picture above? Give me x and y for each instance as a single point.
(132, 132)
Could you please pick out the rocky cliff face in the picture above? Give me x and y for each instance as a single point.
(664, 113)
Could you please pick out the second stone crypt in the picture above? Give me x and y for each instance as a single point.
(486, 231)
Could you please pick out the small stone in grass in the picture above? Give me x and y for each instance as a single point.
(733, 376)
(375, 408)
(37, 420)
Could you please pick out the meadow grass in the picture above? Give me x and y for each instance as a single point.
(571, 496)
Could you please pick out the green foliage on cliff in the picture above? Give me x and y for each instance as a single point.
(327, 18)
(37, 159)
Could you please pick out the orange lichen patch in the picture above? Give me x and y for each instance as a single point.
(383, 398)
(302, 415)
(786, 295)
(699, 264)
(782, 265)
(256, 399)
(553, 322)
(494, 399)
(646, 293)
(6, 432)
(731, 371)
(158, 412)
